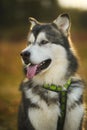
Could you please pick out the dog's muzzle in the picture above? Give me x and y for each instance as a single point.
(34, 69)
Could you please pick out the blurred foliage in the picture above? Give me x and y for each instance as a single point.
(18, 11)
(14, 15)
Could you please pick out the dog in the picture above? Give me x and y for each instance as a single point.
(49, 60)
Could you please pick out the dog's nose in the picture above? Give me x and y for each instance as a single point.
(26, 56)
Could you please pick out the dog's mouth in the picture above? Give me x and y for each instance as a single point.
(34, 69)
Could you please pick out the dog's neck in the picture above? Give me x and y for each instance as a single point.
(55, 75)
(42, 81)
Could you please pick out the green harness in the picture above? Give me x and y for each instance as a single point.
(62, 99)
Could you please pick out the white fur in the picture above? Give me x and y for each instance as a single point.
(55, 73)
(36, 98)
(41, 37)
(44, 118)
(74, 96)
(31, 38)
(33, 22)
(39, 53)
(73, 118)
(63, 23)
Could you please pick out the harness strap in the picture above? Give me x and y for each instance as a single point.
(58, 88)
(62, 99)
(63, 102)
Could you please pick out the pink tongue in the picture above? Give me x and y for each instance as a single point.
(31, 71)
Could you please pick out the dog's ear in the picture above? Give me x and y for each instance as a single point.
(63, 23)
(33, 21)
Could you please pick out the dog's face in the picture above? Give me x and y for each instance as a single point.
(46, 52)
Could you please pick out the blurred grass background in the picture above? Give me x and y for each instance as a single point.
(14, 28)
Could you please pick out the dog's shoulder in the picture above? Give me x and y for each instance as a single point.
(76, 84)
(75, 93)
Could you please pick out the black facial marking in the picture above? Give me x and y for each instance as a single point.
(36, 30)
(40, 28)
(53, 34)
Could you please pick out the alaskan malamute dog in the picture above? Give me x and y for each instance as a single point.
(50, 64)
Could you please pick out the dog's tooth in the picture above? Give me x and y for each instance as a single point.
(43, 62)
(29, 64)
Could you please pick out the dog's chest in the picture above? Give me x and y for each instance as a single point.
(44, 116)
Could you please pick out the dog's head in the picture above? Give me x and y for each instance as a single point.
(48, 51)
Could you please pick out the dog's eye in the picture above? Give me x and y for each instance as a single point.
(29, 43)
(43, 42)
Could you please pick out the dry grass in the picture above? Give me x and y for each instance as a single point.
(11, 76)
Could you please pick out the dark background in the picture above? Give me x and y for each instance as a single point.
(14, 26)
